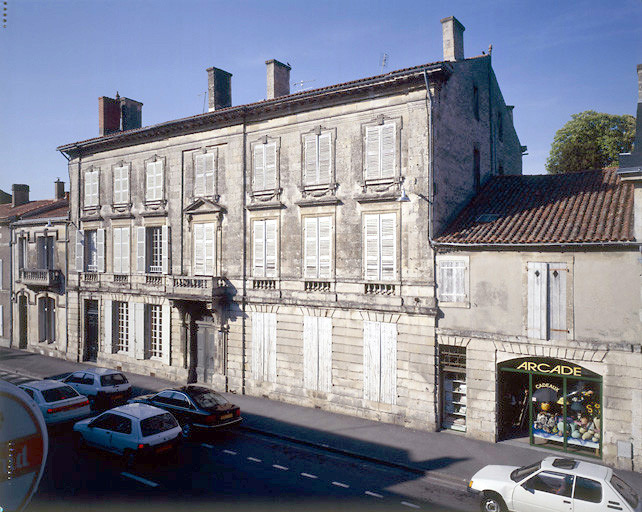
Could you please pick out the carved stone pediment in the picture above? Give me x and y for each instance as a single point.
(203, 205)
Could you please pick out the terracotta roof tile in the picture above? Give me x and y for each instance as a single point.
(6, 211)
(584, 207)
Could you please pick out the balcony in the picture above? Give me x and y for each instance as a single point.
(185, 287)
(40, 278)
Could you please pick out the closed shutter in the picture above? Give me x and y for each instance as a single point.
(373, 171)
(131, 328)
(388, 246)
(371, 360)
(259, 249)
(388, 393)
(388, 151)
(325, 354)
(270, 248)
(80, 250)
(270, 166)
(124, 250)
(310, 246)
(94, 187)
(325, 247)
(371, 241)
(166, 319)
(557, 300)
(258, 182)
(199, 175)
(100, 250)
(310, 352)
(210, 249)
(537, 299)
(117, 249)
(139, 330)
(108, 322)
(257, 346)
(150, 182)
(199, 249)
(1, 275)
(325, 159)
(310, 159)
(42, 312)
(210, 165)
(140, 250)
(270, 346)
(154, 183)
(165, 249)
(88, 196)
(121, 185)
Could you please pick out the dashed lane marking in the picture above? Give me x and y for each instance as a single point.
(408, 504)
(229, 452)
(308, 475)
(282, 468)
(254, 459)
(341, 484)
(374, 494)
(207, 445)
(140, 479)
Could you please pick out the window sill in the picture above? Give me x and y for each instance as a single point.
(273, 205)
(445, 304)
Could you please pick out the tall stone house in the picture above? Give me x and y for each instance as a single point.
(283, 248)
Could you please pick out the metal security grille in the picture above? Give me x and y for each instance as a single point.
(156, 254)
(123, 326)
(452, 357)
(155, 331)
(452, 368)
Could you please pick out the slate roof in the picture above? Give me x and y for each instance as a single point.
(583, 207)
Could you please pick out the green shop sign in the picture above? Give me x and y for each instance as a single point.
(547, 366)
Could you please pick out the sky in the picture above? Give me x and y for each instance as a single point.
(57, 57)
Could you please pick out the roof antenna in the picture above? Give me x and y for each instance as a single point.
(299, 85)
(384, 62)
(204, 94)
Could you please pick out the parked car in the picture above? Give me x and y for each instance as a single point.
(196, 408)
(553, 484)
(104, 387)
(57, 401)
(132, 430)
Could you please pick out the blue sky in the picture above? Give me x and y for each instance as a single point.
(552, 59)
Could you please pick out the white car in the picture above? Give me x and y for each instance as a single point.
(102, 386)
(57, 401)
(132, 430)
(555, 484)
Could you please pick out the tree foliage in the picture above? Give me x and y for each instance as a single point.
(590, 140)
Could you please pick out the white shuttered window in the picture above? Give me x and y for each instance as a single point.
(121, 185)
(452, 285)
(154, 181)
(380, 242)
(204, 249)
(317, 353)
(381, 151)
(380, 362)
(264, 346)
(317, 159)
(264, 167)
(317, 240)
(91, 188)
(264, 248)
(204, 174)
(547, 300)
(121, 250)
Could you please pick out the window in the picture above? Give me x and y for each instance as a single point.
(121, 250)
(264, 248)
(317, 239)
(476, 102)
(46, 320)
(587, 490)
(380, 362)
(155, 330)
(91, 188)
(152, 249)
(204, 174)
(45, 246)
(380, 246)
(94, 249)
(476, 170)
(121, 331)
(452, 285)
(204, 249)
(57, 394)
(547, 300)
(264, 167)
(380, 151)
(317, 353)
(317, 169)
(22, 253)
(154, 181)
(150, 327)
(264, 346)
(121, 185)
(106, 421)
(157, 424)
(1, 274)
(552, 483)
(113, 379)
(123, 426)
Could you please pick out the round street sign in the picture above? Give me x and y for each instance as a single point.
(23, 447)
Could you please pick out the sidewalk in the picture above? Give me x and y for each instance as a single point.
(448, 457)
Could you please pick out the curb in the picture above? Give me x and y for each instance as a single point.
(439, 476)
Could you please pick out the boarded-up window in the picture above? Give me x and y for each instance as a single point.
(264, 346)
(381, 151)
(317, 353)
(317, 160)
(317, 240)
(121, 185)
(380, 242)
(452, 285)
(91, 188)
(154, 181)
(204, 174)
(380, 362)
(547, 300)
(264, 167)
(204, 249)
(264, 250)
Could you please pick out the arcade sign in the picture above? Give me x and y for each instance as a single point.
(548, 366)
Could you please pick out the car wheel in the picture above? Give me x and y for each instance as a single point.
(188, 431)
(492, 503)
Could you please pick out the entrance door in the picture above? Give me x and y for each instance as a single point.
(91, 330)
(22, 322)
(208, 361)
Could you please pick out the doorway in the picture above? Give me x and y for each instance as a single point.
(208, 360)
(91, 330)
(22, 321)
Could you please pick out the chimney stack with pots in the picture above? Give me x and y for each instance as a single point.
(59, 189)
(120, 114)
(453, 38)
(219, 87)
(19, 195)
(278, 79)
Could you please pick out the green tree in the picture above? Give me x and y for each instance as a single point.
(590, 140)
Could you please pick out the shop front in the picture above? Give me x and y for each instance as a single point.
(555, 403)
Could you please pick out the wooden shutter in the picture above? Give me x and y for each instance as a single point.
(140, 250)
(131, 328)
(42, 311)
(537, 299)
(139, 330)
(270, 166)
(310, 245)
(159, 179)
(108, 322)
(100, 250)
(270, 248)
(199, 175)
(310, 352)
(150, 181)
(325, 247)
(209, 241)
(373, 170)
(88, 178)
(117, 250)
(165, 248)
(80, 250)
(95, 187)
(166, 319)
(210, 159)
(557, 273)
(257, 346)
(259, 249)
(325, 353)
(388, 393)
(325, 159)
(124, 250)
(371, 242)
(258, 182)
(388, 133)
(270, 346)
(1, 270)
(388, 246)
(310, 160)
(371, 360)
(199, 249)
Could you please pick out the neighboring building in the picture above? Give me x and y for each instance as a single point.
(16, 208)
(270, 248)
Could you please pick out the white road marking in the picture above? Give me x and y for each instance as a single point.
(207, 445)
(374, 494)
(411, 505)
(341, 484)
(308, 475)
(229, 452)
(140, 479)
(254, 459)
(279, 467)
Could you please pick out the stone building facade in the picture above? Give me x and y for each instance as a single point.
(282, 248)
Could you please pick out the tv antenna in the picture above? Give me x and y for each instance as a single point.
(384, 62)
(204, 94)
(299, 85)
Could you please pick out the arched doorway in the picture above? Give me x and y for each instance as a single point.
(557, 404)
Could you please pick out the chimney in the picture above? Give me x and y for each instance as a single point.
(118, 114)
(20, 195)
(131, 114)
(219, 87)
(59, 189)
(453, 36)
(509, 111)
(278, 79)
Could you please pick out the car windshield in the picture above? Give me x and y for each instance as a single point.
(56, 394)
(525, 471)
(157, 424)
(625, 490)
(113, 379)
(206, 398)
